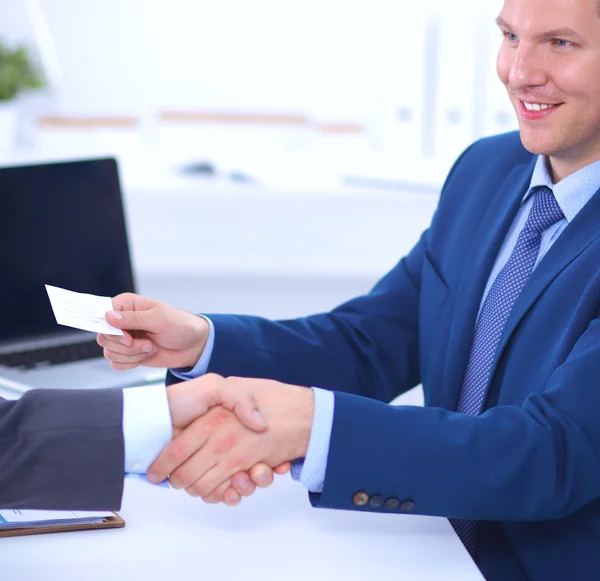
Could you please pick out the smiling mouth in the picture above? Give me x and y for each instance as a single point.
(539, 106)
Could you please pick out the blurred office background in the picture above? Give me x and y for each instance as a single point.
(276, 157)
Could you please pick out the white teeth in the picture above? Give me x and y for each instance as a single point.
(537, 106)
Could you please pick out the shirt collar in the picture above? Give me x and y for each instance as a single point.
(572, 193)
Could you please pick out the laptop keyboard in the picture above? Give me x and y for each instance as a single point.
(52, 355)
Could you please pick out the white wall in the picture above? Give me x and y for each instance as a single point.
(369, 61)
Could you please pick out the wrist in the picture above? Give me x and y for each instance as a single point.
(200, 332)
(288, 410)
(303, 413)
(185, 401)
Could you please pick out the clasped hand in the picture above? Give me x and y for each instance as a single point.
(223, 446)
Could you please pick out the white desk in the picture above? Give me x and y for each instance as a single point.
(275, 534)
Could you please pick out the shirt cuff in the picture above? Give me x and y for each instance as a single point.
(147, 426)
(310, 471)
(202, 366)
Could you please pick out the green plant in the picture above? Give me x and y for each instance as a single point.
(17, 72)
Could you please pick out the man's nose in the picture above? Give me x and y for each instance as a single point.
(527, 68)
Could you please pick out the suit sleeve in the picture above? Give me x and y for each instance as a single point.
(539, 461)
(366, 346)
(62, 450)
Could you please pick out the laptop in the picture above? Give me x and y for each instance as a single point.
(62, 224)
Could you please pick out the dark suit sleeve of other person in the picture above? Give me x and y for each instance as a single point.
(62, 450)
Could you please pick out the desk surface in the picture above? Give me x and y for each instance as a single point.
(276, 534)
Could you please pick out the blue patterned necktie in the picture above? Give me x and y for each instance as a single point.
(493, 316)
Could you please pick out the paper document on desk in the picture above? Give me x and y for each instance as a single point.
(21, 519)
(81, 311)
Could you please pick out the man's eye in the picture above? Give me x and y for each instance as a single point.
(562, 43)
(510, 36)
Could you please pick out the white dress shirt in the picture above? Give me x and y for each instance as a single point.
(146, 426)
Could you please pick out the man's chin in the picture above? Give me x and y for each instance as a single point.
(534, 145)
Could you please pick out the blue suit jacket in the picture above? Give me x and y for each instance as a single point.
(529, 466)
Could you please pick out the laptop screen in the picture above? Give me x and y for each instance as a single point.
(60, 224)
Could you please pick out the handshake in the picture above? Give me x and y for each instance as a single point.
(229, 434)
(223, 446)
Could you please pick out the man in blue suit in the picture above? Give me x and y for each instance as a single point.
(495, 311)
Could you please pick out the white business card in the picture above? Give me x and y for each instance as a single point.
(81, 311)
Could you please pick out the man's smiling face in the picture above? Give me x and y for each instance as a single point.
(549, 62)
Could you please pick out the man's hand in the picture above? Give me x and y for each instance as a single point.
(190, 399)
(245, 483)
(155, 334)
(215, 447)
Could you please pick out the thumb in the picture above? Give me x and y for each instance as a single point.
(133, 320)
(237, 400)
(191, 399)
(132, 302)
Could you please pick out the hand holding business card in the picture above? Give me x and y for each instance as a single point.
(81, 311)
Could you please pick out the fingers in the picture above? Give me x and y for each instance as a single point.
(227, 451)
(231, 497)
(243, 483)
(232, 491)
(125, 340)
(207, 483)
(283, 468)
(235, 398)
(178, 452)
(196, 477)
(125, 350)
(222, 493)
(225, 494)
(262, 475)
(126, 344)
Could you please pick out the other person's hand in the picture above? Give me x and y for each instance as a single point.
(208, 454)
(191, 399)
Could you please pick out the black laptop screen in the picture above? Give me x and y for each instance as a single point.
(60, 224)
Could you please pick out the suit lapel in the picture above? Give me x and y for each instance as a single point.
(577, 236)
(478, 265)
